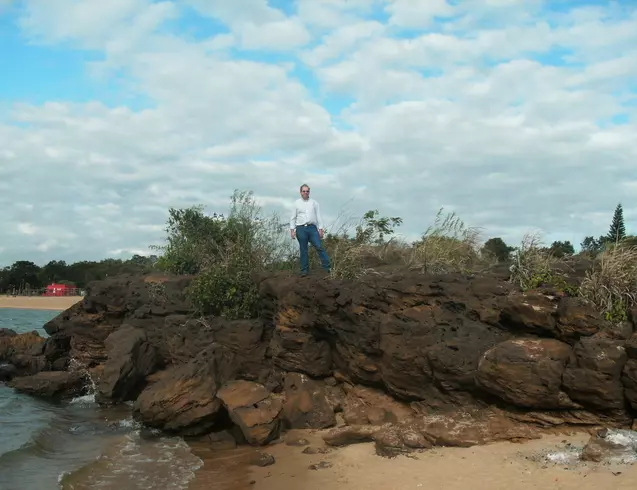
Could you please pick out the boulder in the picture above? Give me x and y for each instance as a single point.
(253, 409)
(593, 373)
(526, 372)
(182, 399)
(306, 405)
(23, 351)
(131, 358)
(577, 318)
(52, 384)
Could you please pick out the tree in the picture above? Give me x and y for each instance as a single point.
(617, 231)
(376, 228)
(497, 248)
(560, 249)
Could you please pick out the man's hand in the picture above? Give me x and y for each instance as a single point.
(293, 234)
(321, 233)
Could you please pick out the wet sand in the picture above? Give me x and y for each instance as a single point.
(499, 466)
(59, 303)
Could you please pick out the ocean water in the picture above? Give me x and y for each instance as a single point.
(78, 444)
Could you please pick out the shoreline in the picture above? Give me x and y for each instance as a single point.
(53, 303)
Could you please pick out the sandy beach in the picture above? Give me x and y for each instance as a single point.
(58, 303)
(499, 466)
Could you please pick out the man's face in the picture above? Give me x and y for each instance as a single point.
(305, 193)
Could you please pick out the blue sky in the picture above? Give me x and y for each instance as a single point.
(123, 109)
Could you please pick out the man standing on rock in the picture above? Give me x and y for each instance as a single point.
(306, 225)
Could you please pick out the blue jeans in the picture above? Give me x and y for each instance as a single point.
(306, 235)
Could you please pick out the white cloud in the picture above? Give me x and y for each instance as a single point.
(484, 119)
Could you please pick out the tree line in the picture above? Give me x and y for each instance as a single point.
(23, 275)
(589, 245)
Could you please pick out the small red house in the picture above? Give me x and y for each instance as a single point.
(59, 290)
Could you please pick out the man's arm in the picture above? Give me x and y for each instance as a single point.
(293, 222)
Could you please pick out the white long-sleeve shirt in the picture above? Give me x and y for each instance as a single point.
(306, 212)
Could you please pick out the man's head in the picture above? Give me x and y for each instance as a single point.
(305, 191)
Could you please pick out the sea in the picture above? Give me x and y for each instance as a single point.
(77, 444)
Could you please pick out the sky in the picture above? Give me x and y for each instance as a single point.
(518, 116)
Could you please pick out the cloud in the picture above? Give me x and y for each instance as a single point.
(518, 116)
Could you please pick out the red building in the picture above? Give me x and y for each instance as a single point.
(60, 290)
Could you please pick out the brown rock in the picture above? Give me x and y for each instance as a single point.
(254, 409)
(351, 434)
(306, 405)
(130, 360)
(526, 372)
(183, 398)
(531, 312)
(23, 351)
(577, 318)
(51, 384)
(629, 381)
(593, 374)
(364, 405)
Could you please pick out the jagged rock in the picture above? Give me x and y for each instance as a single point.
(526, 372)
(351, 434)
(295, 437)
(414, 340)
(7, 372)
(593, 374)
(576, 318)
(23, 351)
(130, 360)
(611, 446)
(394, 440)
(261, 459)
(183, 398)
(51, 384)
(306, 406)
(530, 313)
(364, 405)
(254, 409)
(629, 381)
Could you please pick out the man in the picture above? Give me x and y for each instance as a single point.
(306, 225)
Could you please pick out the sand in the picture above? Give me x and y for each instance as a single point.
(59, 303)
(500, 466)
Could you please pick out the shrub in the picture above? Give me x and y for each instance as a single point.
(611, 284)
(354, 256)
(534, 266)
(224, 253)
(447, 246)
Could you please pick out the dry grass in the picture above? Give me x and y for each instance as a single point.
(447, 246)
(534, 265)
(611, 284)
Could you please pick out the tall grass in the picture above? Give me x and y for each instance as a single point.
(448, 245)
(611, 284)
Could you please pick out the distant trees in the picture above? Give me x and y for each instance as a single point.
(24, 274)
(561, 249)
(498, 249)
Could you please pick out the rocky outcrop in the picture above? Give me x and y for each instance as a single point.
(20, 354)
(130, 359)
(406, 361)
(52, 384)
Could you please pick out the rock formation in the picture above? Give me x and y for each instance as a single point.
(405, 360)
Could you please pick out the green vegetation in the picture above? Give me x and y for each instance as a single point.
(226, 254)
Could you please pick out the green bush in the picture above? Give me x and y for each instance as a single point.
(224, 253)
(219, 292)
